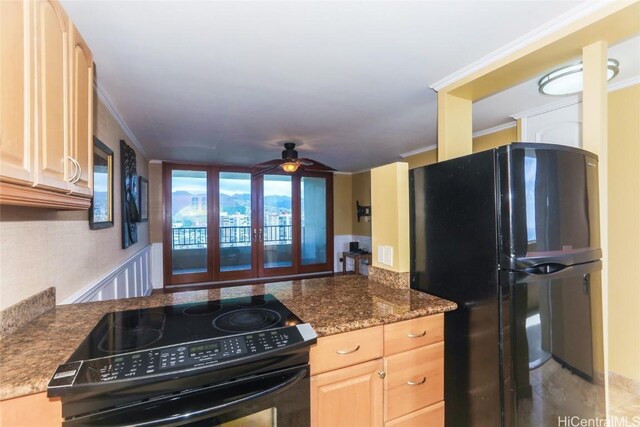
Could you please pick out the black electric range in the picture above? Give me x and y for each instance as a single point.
(134, 360)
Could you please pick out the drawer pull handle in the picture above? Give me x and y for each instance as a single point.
(417, 335)
(424, 379)
(348, 351)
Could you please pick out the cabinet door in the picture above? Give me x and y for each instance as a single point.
(16, 92)
(81, 96)
(348, 397)
(52, 45)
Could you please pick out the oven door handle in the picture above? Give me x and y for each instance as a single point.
(195, 415)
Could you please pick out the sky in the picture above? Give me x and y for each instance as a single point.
(197, 184)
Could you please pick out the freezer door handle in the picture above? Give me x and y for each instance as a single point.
(586, 279)
(526, 276)
(548, 268)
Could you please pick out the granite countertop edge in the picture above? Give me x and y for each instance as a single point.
(30, 382)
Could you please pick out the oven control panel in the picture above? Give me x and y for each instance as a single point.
(201, 354)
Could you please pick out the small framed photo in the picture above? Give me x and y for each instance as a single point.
(143, 202)
(101, 210)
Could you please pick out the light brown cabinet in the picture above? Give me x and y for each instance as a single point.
(391, 375)
(349, 397)
(34, 410)
(47, 142)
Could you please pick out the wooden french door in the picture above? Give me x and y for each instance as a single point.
(225, 224)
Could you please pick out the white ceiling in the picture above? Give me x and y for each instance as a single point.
(225, 81)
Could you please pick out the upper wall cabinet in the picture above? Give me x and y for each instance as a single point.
(16, 93)
(81, 147)
(47, 144)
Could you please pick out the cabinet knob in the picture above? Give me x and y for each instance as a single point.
(382, 374)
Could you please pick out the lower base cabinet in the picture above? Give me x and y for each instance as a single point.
(391, 376)
(350, 396)
(430, 416)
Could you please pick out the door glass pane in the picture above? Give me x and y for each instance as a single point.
(277, 221)
(235, 221)
(313, 192)
(189, 221)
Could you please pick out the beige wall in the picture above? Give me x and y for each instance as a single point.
(422, 159)
(40, 248)
(481, 143)
(343, 204)
(495, 139)
(390, 214)
(624, 232)
(155, 202)
(361, 193)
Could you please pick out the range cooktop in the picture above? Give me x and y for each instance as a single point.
(133, 330)
(153, 344)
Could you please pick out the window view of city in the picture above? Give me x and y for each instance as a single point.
(189, 220)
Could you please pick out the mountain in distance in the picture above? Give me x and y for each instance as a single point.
(280, 202)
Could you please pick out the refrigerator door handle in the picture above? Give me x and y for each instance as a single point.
(572, 270)
(547, 268)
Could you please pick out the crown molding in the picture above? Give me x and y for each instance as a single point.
(572, 15)
(155, 161)
(343, 173)
(102, 95)
(419, 151)
(624, 83)
(494, 129)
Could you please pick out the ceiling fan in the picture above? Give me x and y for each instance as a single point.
(290, 162)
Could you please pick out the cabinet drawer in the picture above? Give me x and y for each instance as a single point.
(349, 348)
(414, 333)
(431, 416)
(415, 379)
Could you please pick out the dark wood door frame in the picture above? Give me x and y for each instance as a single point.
(257, 219)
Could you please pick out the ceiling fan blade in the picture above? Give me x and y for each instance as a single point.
(315, 165)
(268, 164)
(256, 172)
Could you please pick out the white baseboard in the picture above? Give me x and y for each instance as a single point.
(129, 279)
(157, 272)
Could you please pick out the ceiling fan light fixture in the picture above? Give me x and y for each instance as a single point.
(290, 167)
(569, 80)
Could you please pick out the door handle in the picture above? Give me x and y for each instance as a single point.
(424, 379)
(420, 335)
(260, 234)
(586, 279)
(353, 350)
(255, 235)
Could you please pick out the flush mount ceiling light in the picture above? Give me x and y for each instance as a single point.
(569, 80)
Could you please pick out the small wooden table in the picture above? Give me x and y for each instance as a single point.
(357, 257)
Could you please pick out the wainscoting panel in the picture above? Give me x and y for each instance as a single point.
(130, 279)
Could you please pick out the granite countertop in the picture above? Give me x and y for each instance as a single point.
(331, 305)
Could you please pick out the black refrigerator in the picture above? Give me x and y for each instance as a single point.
(512, 236)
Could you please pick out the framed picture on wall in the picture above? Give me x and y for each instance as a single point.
(101, 210)
(143, 202)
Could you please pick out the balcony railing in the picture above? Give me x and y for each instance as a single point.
(234, 236)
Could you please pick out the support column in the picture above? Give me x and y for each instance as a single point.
(455, 131)
(594, 139)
